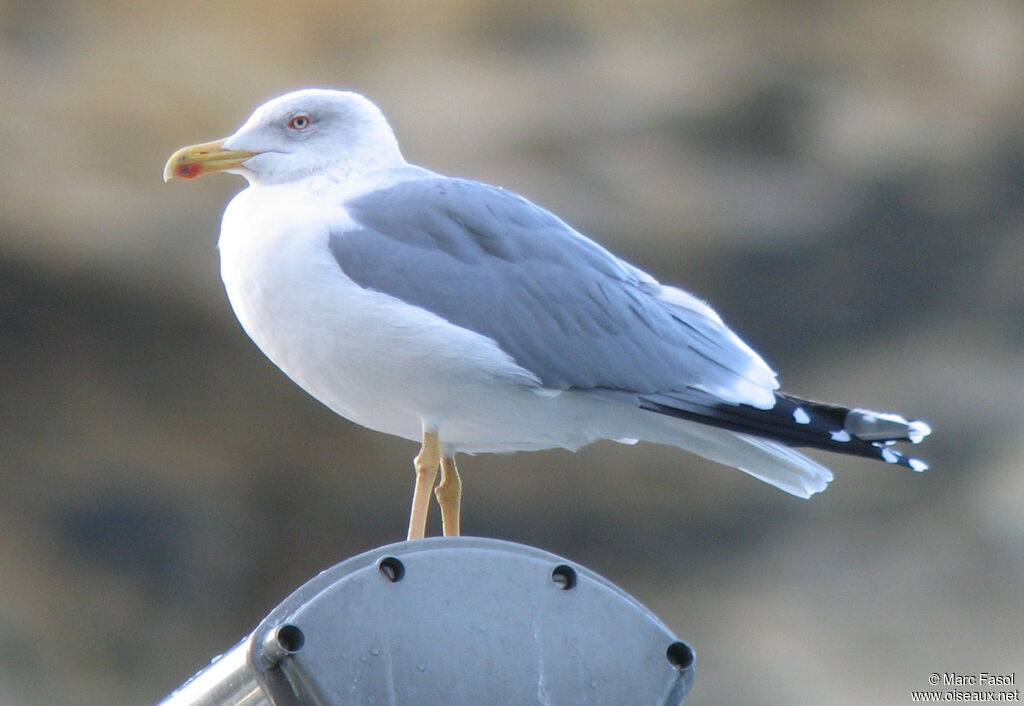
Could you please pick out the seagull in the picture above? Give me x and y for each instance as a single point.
(463, 316)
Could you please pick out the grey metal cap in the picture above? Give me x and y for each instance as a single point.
(462, 620)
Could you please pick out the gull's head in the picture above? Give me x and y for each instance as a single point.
(299, 134)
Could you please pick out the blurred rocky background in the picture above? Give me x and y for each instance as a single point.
(843, 181)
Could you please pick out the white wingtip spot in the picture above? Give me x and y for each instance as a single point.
(800, 416)
(840, 435)
(890, 456)
(917, 431)
(917, 464)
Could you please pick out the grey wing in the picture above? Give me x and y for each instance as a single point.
(560, 305)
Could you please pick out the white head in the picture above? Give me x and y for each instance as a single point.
(299, 134)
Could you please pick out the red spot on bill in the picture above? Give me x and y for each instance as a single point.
(187, 171)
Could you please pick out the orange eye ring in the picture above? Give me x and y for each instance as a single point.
(299, 122)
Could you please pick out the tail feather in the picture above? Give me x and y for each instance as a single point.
(798, 422)
(773, 462)
(792, 471)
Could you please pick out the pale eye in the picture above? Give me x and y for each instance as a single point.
(299, 122)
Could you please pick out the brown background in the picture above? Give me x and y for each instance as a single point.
(843, 181)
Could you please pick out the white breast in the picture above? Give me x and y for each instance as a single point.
(369, 357)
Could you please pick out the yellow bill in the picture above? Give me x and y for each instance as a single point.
(196, 160)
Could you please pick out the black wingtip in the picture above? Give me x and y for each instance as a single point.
(799, 422)
(895, 457)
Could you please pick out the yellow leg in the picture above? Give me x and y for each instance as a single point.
(449, 496)
(425, 463)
